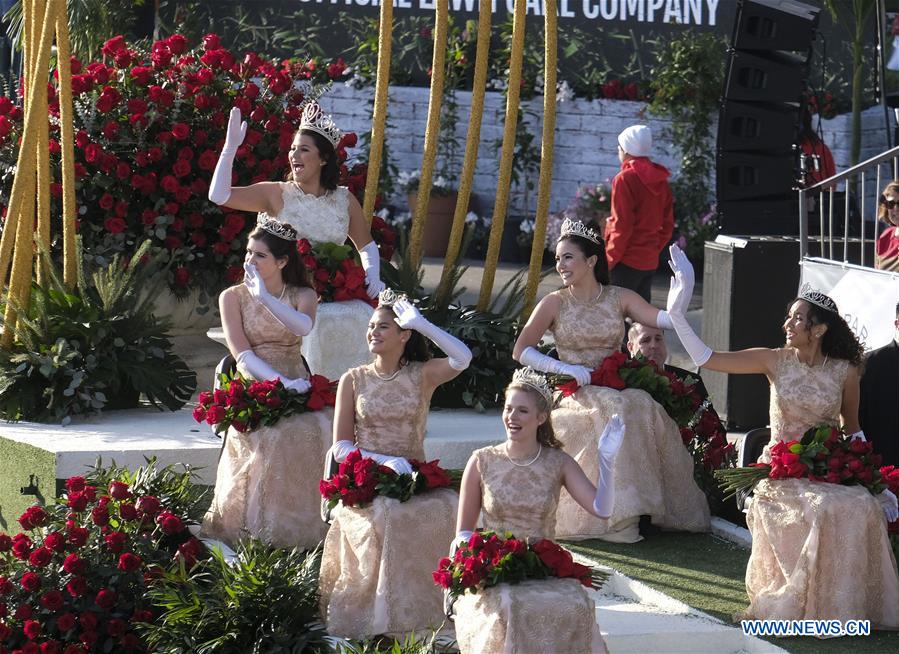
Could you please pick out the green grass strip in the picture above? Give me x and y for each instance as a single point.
(708, 574)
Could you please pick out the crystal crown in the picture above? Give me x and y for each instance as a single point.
(275, 228)
(316, 120)
(578, 228)
(534, 379)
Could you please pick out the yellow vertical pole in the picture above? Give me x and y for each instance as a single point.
(67, 144)
(41, 78)
(22, 196)
(432, 131)
(471, 148)
(546, 158)
(379, 114)
(501, 203)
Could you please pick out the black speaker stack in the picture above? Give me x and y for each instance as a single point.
(768, 64)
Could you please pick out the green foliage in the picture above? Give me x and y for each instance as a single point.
(265, 601)
(176, 486)
(91, 23)
(411, 644)
(686, 84)
(98, 346)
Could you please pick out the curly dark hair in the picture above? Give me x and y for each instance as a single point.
(417, 348)
(838, 341)
(294, 273)
(546, 435)
(591, 249)
(330, 174)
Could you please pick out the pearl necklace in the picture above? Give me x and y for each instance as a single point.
(598, 295)
(385, 377)
(522, 465)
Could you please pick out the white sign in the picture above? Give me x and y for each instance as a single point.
(866, 298)
(674, 12)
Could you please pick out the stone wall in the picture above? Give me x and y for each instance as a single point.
(586, 136)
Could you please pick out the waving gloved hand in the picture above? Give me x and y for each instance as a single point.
(294, 319)
(682, 282)
(253, 281)
(409, 317)
(220, 185)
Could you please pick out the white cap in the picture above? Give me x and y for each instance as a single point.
(636, 140)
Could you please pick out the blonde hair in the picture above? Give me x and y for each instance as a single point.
(882, 213)
(545, 433)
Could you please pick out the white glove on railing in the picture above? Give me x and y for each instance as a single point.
(296, 321)
(859, 436)
(409, 317)
(609, 444)
(371, 263)
(533, 358)
(220, 186)
(260, 370)
(678, 300)
(341, 449)
(889, 505)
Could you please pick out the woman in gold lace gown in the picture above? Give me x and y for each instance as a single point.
(377, 562)
(515, 486)
(819, 550)
(267, 479)
(654, 471)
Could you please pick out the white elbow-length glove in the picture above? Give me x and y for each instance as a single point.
(889, 505)
(220, 186)
(409, 317)
(609, 444)
(259, 369)
(544, 363)
(341, 449)
(296, 321)
(371, 263)
(678, 300)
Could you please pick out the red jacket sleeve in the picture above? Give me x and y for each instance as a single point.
(620, 224)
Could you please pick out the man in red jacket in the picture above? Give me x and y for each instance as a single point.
(642, 217)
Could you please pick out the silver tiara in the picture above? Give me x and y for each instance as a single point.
(578, 228)
(275, 228)
(817, 298)
(316, 120)
(530, 377)
(388, 297)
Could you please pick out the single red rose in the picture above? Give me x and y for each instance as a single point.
(30, 581)
(32, 629)
(100, 516)
(51, 647)
(40, 557)
(5, 542)
(52, 600)
(88, 620)
(33, 517)
(65, 622)
(128, 511)
(115, 225)
(129, 562)
(106, 598)
(74, 564)
(115, 541)
(148, 505)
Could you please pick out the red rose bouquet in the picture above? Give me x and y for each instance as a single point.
(335, 272)
(824, 453)
(247, 404)
(890, 476)
(701, 430)
(360, 479)
(488, 559)
(75, 579)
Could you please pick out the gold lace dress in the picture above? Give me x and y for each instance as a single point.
(377, 562)
(266, 484)
(336, 342)
(653, 471)
(819, 550)
(547, 615)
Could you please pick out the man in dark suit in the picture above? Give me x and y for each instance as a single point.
(877, 410)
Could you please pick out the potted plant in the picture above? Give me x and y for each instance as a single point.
(441, 205)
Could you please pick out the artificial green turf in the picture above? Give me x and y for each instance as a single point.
(708, 574)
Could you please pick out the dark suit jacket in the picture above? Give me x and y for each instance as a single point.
(878, 410)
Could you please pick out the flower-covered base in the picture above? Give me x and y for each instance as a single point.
(337, 341)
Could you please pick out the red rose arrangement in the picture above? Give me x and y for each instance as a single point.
(824, 453)
(149, 126)
(247, 404)
(359, 480)
(700, 427)
(75, 579)
(890, 476)
(335, 271)
(488, 559)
